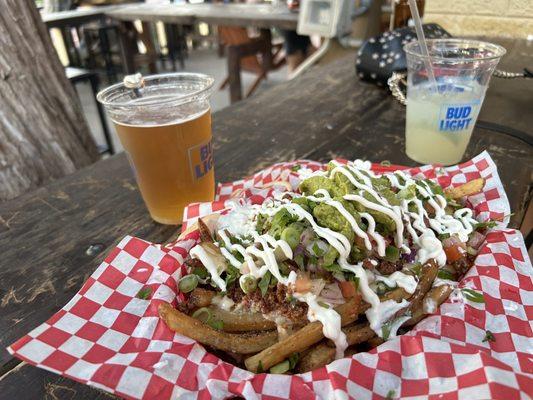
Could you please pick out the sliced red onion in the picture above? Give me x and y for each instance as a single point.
(317, 285)
(409, 258)
(451, 241)
(307, 235)
(300, 249)
(332, 291)
(476, 240)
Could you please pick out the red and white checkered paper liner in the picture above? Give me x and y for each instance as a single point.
(108, 338)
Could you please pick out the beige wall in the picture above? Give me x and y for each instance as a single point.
(506, 18)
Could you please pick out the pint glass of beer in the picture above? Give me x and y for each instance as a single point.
(164, 125)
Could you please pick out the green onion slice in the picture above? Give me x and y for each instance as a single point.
(188, 283)
(280, 368)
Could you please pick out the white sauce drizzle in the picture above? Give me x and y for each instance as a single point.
(330, 320)
(399, 279)
(199, 253)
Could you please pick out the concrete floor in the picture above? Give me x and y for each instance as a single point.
(204, 60)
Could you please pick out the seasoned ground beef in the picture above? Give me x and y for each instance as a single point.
(383, 267)
(462, 265)
(192, 263)
(235, 293)
(276, 300)
(387, 267)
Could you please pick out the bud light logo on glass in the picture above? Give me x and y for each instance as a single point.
(201, 160)
(456, 117)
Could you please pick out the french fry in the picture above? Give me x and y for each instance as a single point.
(375, 341)
(324, 354)
(312, 333)
(241, 322)
(200, 298)
(317, 357)
(427, 276)
(300, 340)
(436, 296)
(208, 220)
(230, 342)
(466, 189)
(205, 233)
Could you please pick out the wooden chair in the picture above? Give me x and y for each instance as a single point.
(251, 53)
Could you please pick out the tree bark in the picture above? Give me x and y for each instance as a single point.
(43, 133)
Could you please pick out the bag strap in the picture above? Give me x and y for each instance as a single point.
(398, 79)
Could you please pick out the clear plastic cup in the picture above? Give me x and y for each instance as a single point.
(441, 117)
(165, 129)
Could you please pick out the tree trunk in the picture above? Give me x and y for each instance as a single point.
(43, 133)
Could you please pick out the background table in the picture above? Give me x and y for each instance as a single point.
(261, 16)
(46, 236)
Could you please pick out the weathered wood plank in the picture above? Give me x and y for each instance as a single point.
(41, 384)
(45, 235)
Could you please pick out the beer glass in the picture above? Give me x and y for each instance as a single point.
(164, 125)
(441, 114)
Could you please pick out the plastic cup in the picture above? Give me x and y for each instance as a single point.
(441, 117)
(165, 129)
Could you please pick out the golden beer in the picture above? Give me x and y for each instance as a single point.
(165, 129)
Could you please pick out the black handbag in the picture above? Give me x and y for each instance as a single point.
(382, 55)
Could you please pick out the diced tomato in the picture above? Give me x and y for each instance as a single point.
(303, 284)
(348, 289)
(454, 252)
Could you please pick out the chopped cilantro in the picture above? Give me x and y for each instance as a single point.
(293, 360)
(385, 163)
(232, 274)
(392, 254)
(299, 259)
(407, 193)
(443, 236)
(385, 330)
(200, 272)
(295, 168)
(485, 225)
(354, 279)
(391, 394)
(435, 187)
(317, 250)
(489, 337)
(473, 296)
(417, 269)
(322, 304)
(260, 223)
(264, 282)
(445, 274)
(144, 293)
(332, 268)
(216, 324)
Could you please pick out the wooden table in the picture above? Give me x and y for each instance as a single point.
(76, 17)
(260, 16)
(45, 235)
(65, 20)
(257, 15)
